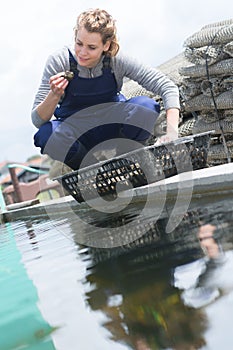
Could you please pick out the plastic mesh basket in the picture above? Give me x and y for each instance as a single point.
(138, 168)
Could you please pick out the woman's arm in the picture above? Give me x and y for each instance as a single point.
(172, 115)
(157, 82)
(47, 107)
(49, 91)
(148, 77)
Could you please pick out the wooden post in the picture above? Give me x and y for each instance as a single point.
(16, 185)
(2, 201)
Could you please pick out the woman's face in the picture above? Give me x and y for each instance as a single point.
(89, 48)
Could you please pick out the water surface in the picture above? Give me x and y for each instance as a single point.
(166, 291)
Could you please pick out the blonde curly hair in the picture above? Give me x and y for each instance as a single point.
(99, 21)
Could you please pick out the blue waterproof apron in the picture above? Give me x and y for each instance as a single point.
(58, 138)
(85, 92)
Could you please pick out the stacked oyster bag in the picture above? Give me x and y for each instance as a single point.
(207, 86)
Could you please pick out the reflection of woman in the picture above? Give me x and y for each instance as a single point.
(207, 241)
(98, 77)
(201, 290)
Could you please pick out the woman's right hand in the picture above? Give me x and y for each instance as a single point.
(46, 108)
(58, 84)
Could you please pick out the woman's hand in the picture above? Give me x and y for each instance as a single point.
(172, 115)
(58, 84)
(167, 138)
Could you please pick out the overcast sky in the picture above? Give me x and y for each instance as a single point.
(151, 30)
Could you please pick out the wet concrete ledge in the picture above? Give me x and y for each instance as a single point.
(198, 183)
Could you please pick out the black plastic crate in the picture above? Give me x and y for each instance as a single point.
(138, 168)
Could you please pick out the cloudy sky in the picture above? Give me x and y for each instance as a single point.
(151, 30)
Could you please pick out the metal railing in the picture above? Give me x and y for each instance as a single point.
(15, 181)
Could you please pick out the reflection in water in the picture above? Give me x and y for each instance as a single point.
(155, 301)
(155, 292)
(202, 285)
(207, 241)
(31, 234)
(143, 309)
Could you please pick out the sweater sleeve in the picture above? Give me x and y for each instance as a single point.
(148, 77)
(56, 63)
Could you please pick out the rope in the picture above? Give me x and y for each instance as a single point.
(213, 98)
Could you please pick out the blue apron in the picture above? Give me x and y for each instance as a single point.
(68, 141)
(85, 92)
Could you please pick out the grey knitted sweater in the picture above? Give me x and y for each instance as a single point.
(122, 66)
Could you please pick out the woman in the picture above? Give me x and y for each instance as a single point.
(98, 72)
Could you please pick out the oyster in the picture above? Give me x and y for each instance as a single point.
(68, 75)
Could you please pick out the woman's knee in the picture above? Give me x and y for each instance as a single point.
(45, 132)
(42, 135)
